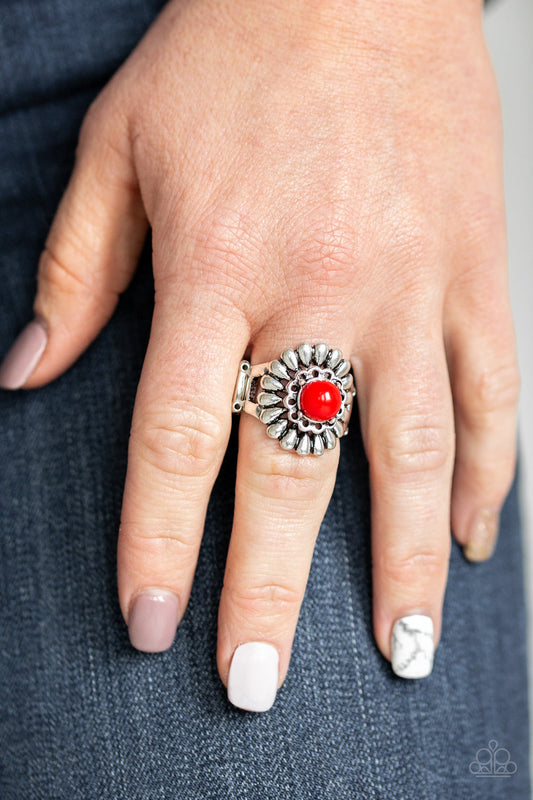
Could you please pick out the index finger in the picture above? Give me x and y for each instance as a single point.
(181, 425)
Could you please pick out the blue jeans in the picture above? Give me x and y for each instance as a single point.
(85, 716)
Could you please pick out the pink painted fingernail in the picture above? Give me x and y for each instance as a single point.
(24, 356)
(153, 620)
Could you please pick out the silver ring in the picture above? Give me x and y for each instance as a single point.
(305, 398)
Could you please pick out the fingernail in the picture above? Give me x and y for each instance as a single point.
(153, 620)
(483, 534)
(24, 356)
(412, 646)
(253, 676)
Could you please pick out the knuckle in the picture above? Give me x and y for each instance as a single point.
(411, 240)
(91, 124)
(424, 567)
(494, 389)
(504, 478)
(411, 246)
(208, 300)
(56, 275)
(272, 601)
(166, 546)
(483, 228)
(294, 481)
(226, 252)
(183, 440)
(326, 254)
(99, 117)
(105, 146)
(490, 477)
(411, 448)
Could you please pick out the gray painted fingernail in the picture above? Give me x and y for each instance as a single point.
(24, 356)
(412, 646)
(153, 620)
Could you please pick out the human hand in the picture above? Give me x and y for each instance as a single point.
(311, 172)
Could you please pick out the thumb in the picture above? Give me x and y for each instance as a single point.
(89, 257)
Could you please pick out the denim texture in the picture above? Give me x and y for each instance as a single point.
(83, 716)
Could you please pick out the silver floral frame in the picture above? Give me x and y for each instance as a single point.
(271, 392)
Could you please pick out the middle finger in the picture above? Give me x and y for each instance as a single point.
(281, 498)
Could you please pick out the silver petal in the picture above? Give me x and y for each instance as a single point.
(318, 445)
(277, 428)
(342, 369)
(279, 370)
(321, 351)
(304, 445)
(305, 351)
(289, 440)
(290, 358)
(347, 382)
(329, 439)
(333, 358)
(268, 415)
(338, 428)
(268, 399)
(269, 382)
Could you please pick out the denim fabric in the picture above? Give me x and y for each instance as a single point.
(83, 716)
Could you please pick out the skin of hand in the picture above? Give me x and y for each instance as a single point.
(322, 171)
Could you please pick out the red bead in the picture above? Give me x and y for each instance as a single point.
(320, 400)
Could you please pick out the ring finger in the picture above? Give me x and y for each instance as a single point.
(407, 426)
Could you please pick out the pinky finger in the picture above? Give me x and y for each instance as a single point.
(485, 383)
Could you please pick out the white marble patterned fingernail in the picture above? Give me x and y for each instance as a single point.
(253, 676)
(412, 646)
